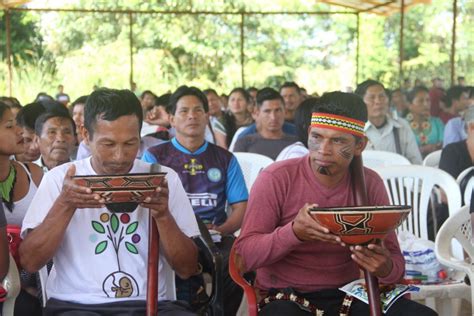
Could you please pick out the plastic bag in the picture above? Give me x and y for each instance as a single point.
(387, 297)
(421, 265)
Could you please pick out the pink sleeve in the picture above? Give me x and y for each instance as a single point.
(378, 196)
(262, 241)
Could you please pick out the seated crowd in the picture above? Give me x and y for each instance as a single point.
(193, 135)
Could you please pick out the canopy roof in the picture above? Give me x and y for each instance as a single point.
(5, 4)
(382, 7)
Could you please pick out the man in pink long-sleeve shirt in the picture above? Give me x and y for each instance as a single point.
(290, 251)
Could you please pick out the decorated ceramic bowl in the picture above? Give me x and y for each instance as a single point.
(124, 188)
(360, 225)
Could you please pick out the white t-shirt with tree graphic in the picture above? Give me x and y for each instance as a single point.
(103, 256)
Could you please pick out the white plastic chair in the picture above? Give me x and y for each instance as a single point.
(469, 186)
(458, 227)
(251, 165)
(43, 276)
(11, 283)
(236, 136)
(170, 281)
(378, 158)
(432, 160)
(413, 185)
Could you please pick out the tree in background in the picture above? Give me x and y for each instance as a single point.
(81, 50)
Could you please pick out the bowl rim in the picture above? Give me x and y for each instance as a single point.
(121, 175)
(360, 209)
(111, 189)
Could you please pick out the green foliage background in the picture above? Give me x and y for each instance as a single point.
(81, 50)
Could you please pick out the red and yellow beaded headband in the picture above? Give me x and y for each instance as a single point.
(338, 123)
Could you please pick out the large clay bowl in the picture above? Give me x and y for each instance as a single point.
(134, 187)
(362, 224)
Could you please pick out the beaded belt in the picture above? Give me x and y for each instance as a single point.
(305, 304)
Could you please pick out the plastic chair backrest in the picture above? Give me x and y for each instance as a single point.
(236, 137)
(11, 283)
(466, 185)
(251, 165)
(169, 274)
(457, 227)
(378, 158)
(432, 159)
(413, 185)
(43, 276)
(236, 273)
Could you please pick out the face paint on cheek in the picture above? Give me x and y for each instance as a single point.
(313, 145)
(346, 152)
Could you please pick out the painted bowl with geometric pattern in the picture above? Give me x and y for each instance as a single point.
(122, 188)
(361, 225)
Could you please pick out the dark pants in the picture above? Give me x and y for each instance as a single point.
(27, 305)
(331, 300)
(186, 289)
(56, 307)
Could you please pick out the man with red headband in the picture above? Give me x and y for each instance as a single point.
(300, 265)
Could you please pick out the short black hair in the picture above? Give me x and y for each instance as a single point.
(303, 119)
(42, 96)
(290, 84)
(252, 89)
(28, 114)
(185, 91)
(3, 108)
(163, 100)
(454, 93)
(43, 118)
(243, 92)
(362, 87)
(11, 101)
(413, 92)
(80, 100)
(266, 94)
(145, 93)
(341, 103)
(110, 104)
(209, 91)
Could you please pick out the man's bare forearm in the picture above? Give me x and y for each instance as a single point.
(234, 222)
(179, 249)
(41, 244)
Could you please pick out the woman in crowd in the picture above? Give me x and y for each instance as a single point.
(18, 183)
(236, 117)
(428, 130)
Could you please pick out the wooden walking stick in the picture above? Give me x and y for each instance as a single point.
(153, 258)
(152, 275)
(360, 189)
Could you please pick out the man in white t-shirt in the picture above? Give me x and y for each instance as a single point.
(100, 256)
